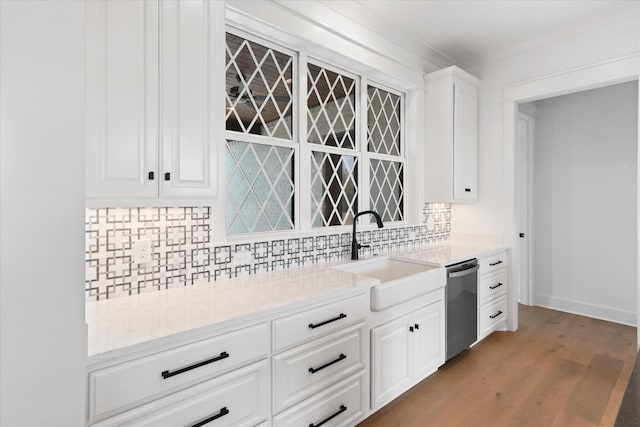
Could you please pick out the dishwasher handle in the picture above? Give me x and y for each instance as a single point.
(465, 272)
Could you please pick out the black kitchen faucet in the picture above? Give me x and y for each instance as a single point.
(354, 242)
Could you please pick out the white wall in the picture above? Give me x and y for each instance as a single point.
(42, 333)
(585, 202)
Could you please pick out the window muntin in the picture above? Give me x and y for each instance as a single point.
(386, 163)
(331, 108)
(334, 189)
(383, 121)
(260, 187)
(259, 96)
(386, 189)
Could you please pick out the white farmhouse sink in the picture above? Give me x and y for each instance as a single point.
(400, 279)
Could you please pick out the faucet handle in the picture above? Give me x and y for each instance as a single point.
(363, 246)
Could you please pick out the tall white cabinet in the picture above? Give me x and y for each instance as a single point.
(153, 78)
(451, 136)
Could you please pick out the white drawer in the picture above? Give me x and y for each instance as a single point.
(339, 405)
(313, 323)
(492, 285)
(309, 368)
(130, 382)
(492, 263)
(491, 315)
(240, 398)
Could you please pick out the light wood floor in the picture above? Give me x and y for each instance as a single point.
(558, 369)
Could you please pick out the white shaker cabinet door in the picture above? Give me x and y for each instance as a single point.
(391, 360)
(121, 98)
(465, 142)
(191, 40)
(429, 339)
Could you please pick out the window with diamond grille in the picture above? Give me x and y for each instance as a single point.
(260, 187)
(260, 179)
(331, 129)
(334, 189)
(386, 189)
(331, 108)
(383, 121)
(386, 164)
(259, 95)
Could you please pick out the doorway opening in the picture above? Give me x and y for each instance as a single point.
(575, 202)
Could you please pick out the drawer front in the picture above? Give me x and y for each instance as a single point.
(127, 383)
(340, 405)
(492, 285)
(492, 263)
(313, 323)
(308, 369)
(240, 398)
(491, 315)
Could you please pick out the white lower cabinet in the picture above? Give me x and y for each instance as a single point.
(304, 371)
(491, 315)
(134, 381)
(240, 398)
(405, 351)
(342, 404)
(492, 294)
(323, 381)
(225, 378)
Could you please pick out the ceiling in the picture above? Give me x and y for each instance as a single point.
(461, 30)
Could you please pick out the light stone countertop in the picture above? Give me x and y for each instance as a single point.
(453, 251)
(123, 325)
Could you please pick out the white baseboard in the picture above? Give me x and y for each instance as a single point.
(585, 309)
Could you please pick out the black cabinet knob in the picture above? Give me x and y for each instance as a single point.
(167, 176)
(151, 175)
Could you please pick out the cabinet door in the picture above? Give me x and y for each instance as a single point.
(191, 71)
(121, 98)
(429, 351)
(391, 360)
(465, 141)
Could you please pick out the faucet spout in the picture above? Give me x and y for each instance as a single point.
(355, 246)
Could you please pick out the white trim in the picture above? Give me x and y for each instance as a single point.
(364, 203)
(601, 74)
(231, 135)
(583, 309)
(593, 76)
(528, 297)
(292, 27)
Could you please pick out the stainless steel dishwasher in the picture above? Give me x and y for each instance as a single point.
(462, 306)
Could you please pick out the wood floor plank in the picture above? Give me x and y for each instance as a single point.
(558, 369)
(590, 397)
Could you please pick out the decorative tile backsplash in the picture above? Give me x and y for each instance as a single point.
(183, 253)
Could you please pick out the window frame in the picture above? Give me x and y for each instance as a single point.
(401, 158)
(302, 148)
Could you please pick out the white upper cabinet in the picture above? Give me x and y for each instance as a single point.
(153, 118)
(451, 136)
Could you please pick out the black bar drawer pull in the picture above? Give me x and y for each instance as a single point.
(496, 315)
(417, 326)
(151, 175)
(330, 417)
(223, 411)
(495, 286)
(495, 263)
(326, 365)
(315, 325)
(167, 374)
(467, 190)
